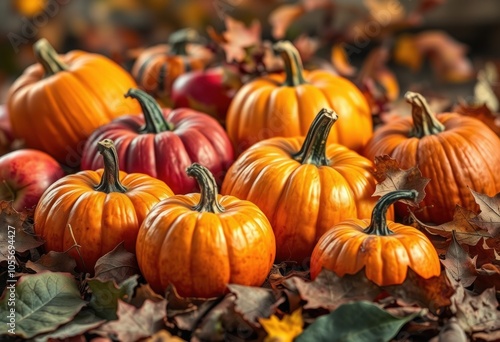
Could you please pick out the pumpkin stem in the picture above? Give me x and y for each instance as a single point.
(313, 150)
(48, 57)
(110, 179)
(153, 114)
(180, 39)
(424, 121)
(208, 188)
(293, 63)
(378, 224)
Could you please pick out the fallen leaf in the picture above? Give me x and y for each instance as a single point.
(433, 293)
(489, 216)
(219, 319)
(355, 321)
(328, 291)
(239, 37)
(16, 231)
(281, 18)
(163, 336)
(83, 322)
(488, 277)
(484, 253)
(254, 302)
(134, 323)
(459, 265)
(143, 293)
(452, 332)
(476, 313)
(106, 294)
(391, 177)
(43, 302)
(466, 231)
(284, 330)
(118, 265)
(53, 261)
(483, 90)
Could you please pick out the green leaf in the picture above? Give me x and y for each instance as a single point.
(42, 302)
(358, 322)
(105, 295)
(85, 320)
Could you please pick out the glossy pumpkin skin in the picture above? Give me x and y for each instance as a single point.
(156, 69)
(285, 104)
(163, 143)
(302, 200)
(101, 215)
(57, 103)
(454, 151)
(384, 248)
(201, 245)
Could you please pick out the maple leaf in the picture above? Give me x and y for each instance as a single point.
(476, 313)
(15, 227)
(465, 229)
(239, 37)
(459, 265)
(284, 330)
(328, 291)
(134, 323)
(391, 177)
(489, 217)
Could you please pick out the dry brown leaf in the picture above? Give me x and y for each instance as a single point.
(452, 332)
(163, 336)
(391, 177)
(282, 17)
(118, 265)
(53, 261)
(489, 217)
(465, 229)
(459, 265)
(488, 277)
(328, 291)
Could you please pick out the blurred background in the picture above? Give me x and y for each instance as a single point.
(120, 29)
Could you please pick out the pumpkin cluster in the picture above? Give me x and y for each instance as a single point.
(230, 180)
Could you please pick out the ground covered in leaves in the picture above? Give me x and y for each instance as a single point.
(54, 302)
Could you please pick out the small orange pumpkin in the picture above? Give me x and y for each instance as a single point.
(201, 242)
(57, 103)
(303, 185)
(159, 66)
(103, 208)
(285, 104)
(385, 249)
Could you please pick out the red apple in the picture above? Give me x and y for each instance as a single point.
(209, 91)
(25, 175)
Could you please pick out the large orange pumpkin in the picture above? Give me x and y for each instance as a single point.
(103, 208)
(57, 103)
(454, 151)
(285, 104)
(159, 66)
(201, 242)
(385, 249)
(303, 185)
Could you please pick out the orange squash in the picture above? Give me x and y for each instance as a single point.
(103, 208)
(303, 185)
(385, 249)
(57, 103)
(201, 242)
(285, 104)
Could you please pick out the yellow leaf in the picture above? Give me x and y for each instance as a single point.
(284, 330)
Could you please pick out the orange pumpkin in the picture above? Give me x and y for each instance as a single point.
(303, 185)
(158, 67)
(103, 208)
(385, 249)
(285, 104)
(454, 151)
(58, 102)
(201, 242)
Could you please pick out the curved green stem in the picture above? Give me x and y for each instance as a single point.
(208, 188)
(110, 179)
(48, 57)
(313, 150)
(180, 39)
(424, 121)
(153, 114)
(378, 224)
(293, 63)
